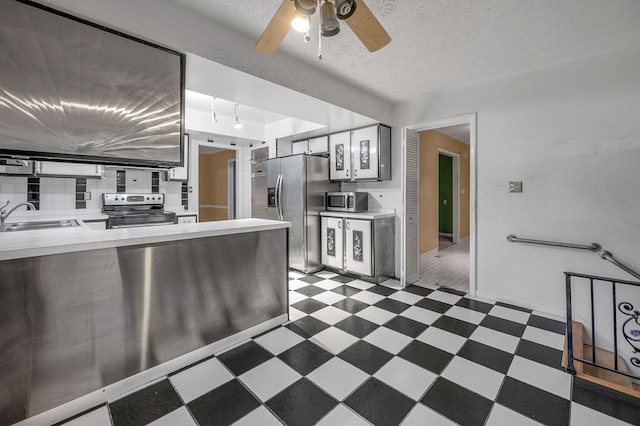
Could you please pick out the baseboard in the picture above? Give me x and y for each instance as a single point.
(533, 306)
(445, 234)
(428, 254)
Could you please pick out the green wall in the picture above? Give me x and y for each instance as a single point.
(445, 192)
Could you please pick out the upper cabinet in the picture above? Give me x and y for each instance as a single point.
(318, 145)
(361, 154)
(181, 173)
(55, 169)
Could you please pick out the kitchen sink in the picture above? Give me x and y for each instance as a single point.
(45, 224)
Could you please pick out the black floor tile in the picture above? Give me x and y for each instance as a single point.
(310, 290)
(534, 403)
(351, 305)
(607, 401)
(547, 324)
(223, 405)
(346, 290)
(146, 405)
(486, 355)
(457, 403)
(540, 353)
(309, 306)
(517, 308)
(305, 357)
(456, 326)
(301, 404)
(392, 306)
(380, 404)
(503, 325)
(365, 356)
(475, 305)
(245, 357)
(356, 326)
(426, 356)
(451, 291)
(342, 279)
(406, 326)
(310, 279)
(420, 291)
(310, 326)
(434, 305)
(382, 290)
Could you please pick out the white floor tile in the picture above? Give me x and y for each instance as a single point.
(584, 416)
(367, 297)
(424, 316)
(296, 284)
(296, 275)
(295, 315)
(269, 378)
(406, 377)
(497, 339)
(442, 296)
(338, 378)
(330, 315)
(97, 417)
(442, 339)
(544, 337)
(279, 340)
(295, 297)
(389, 340)
(424, 416)
(553, 381)
(326, 274)
(200, 379)
(342, 416)
(510, 314)
(329, 297)
(180, 417)
(376, 315)
(328, 284)
(334, 340)
(501, 416)
(405, 297)
(362, 285)
(467, 315)
(475, 377)
(260, 416)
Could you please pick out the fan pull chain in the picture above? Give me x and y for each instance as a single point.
(320, 40)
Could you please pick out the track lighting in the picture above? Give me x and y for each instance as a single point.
(328, 21)
(213, 110)
(237, 124)
(300, 23)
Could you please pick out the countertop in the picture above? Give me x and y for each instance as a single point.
(362, 215)
(23, 215)
(14, 245)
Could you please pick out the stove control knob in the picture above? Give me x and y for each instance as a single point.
(116, 198)
(147, 198)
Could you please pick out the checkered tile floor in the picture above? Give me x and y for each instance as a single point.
(359, 354)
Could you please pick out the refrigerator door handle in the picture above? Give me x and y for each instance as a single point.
(279, 196)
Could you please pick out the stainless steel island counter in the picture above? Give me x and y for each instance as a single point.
(86, 316)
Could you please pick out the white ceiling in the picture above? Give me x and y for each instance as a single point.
(444, 44)
(225, 108)
(459, 132)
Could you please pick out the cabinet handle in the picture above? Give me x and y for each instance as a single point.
(347, 173)
(340, 225)
(355, 173)
(348, 227)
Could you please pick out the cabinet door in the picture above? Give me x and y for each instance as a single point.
(366, 157)
(319, 145)
(358, 246)
(340, 156)
(300, 147)
(182, 173)
(332, 242)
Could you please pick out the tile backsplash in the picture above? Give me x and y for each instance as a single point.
(65, 193)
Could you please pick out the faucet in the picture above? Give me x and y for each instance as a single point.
(5, 214)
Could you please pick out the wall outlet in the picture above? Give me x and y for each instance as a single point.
(515, 187)
(444, 202)
(87, 196)
(191, 189)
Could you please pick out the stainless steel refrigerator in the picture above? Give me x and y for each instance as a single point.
(296, 186)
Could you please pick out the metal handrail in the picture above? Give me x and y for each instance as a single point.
(606, 255)
(594, 247)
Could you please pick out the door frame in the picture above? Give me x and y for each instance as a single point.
(231, 187)
(200, 141)
(455, 184)
(470, 119)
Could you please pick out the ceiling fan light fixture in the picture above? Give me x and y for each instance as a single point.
(329, 25)
(305, 7)
(345, 8)
(300, 23)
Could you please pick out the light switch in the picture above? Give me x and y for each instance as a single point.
(515, 187)
(87, 196)
(444, 202)
(462, 191)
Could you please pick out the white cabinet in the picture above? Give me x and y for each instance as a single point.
(332, 242)
(340, 156)
(181, 173)
(319, 145)
(358, 246)
(300, 147)
(187, 219)
(361, 154)
(51, 168)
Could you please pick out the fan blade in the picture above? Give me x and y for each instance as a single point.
(277, 28)
(368, 29)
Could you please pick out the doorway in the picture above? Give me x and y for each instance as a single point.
(217, 182)
(439, 204)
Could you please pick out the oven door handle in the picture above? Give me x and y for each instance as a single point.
(140, 225)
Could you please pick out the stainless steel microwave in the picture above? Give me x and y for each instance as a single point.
(348, 201)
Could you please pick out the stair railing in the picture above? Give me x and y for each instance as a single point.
(630, 328)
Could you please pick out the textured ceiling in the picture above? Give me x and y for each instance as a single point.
(444, 44)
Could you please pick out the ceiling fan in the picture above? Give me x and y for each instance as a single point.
(296, 14)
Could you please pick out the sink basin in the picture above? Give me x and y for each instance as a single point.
(45, 224)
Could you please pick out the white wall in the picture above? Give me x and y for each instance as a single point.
(571, 133)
